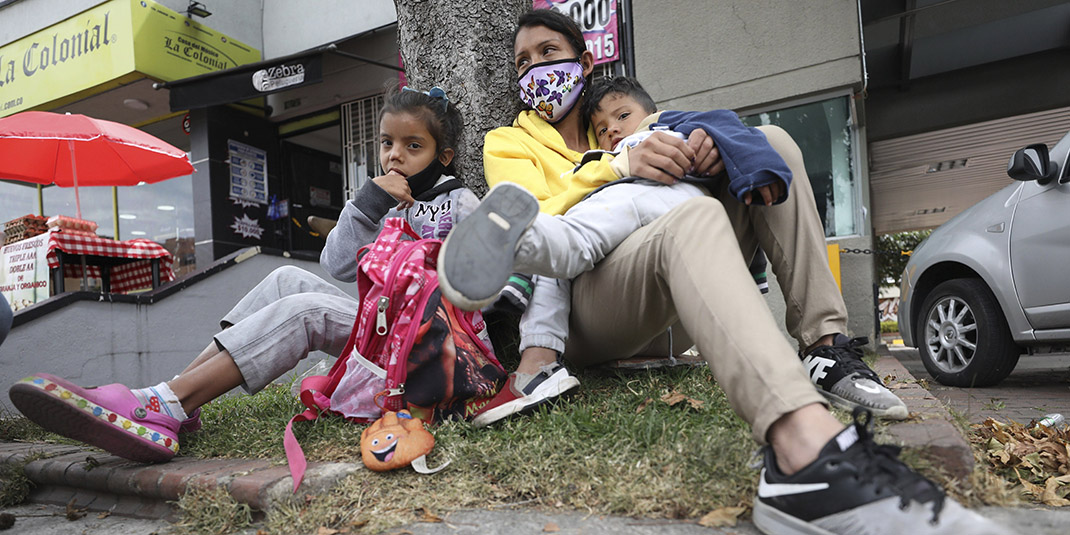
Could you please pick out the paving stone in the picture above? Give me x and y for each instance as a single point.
(930, 431)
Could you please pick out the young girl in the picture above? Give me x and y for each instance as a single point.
(287, 315)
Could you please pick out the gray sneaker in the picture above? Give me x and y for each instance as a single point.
(477, 257)
(856, 486)
(845, 380)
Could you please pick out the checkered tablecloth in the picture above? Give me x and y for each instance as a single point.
(124, 277)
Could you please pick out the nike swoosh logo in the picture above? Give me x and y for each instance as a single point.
(870, 389)
(772, 490)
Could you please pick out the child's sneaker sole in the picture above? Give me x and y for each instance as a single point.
(545, 392)
(477, 257)
(130, 431)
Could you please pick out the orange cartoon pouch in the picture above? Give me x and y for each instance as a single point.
(397, 440)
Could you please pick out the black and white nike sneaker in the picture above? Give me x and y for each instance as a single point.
(847, 382)
(476, 259)
(857, 487)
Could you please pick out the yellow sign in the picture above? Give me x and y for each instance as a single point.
(119, 39)
(834, 263)
(170, 46)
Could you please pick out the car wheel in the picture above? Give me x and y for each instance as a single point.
(963, 337)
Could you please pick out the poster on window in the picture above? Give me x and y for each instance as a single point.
(598, 21)
(24, 276)
(248, 172)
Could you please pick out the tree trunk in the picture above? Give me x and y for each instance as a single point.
(466, 49)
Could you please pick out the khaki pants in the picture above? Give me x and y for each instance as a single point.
(687, 269)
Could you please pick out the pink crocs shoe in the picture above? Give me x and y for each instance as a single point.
(108, 417)
(191, 424)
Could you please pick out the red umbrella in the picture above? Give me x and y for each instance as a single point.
(72, 150)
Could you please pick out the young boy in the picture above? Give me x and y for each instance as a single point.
(507, 233)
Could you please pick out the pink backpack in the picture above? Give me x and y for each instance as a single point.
(409, 349)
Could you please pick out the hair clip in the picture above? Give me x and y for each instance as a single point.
(436, 93)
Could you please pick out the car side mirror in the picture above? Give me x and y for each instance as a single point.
(1031, 163)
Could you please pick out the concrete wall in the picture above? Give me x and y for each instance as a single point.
(294, 25)
(744, 54)
(93, 343)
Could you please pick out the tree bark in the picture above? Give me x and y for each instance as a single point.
(466, 49)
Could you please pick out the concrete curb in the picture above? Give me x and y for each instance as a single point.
(929, 430)
(101, 482)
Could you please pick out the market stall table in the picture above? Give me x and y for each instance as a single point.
(122, 266)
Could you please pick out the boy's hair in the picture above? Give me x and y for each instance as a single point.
(555, 21)
(618, 85)
(440, 116)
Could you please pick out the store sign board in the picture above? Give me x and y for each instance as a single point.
(598, 21)
(171, 46)
(106, 43)
(249, 82)
(83, 51)
(24, 276)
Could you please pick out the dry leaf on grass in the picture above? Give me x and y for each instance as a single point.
(428, 516)
(674, 397)
(723, 517)
(1038, 456)
(643, 405)
(550, 527)
(326, 531)
(1051, 494)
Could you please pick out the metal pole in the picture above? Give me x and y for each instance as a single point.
(115, 210)
(40, 201)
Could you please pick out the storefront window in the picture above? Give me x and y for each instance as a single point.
(823, 132)
(17, 200)
(161, 212)
(96, 204)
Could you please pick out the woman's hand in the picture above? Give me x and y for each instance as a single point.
(398, 187)
(769, 194)
(707, 157)
(661, 157)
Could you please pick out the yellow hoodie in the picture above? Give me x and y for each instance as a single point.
(533, 154)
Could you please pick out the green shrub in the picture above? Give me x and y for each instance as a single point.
(889, 327)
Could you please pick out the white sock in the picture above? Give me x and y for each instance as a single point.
(160, 399)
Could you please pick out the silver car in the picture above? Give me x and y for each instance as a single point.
(993, 282)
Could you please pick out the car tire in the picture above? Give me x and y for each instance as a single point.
(962, 335)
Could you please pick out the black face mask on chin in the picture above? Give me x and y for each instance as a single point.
(425, 179)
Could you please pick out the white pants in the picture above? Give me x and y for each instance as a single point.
(279, 322)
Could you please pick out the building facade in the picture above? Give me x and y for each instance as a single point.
(905, 110)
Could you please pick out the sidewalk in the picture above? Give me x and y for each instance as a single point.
(102, 482)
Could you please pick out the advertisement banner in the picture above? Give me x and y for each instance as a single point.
(24, 276)
(598, 21)
(248, 172)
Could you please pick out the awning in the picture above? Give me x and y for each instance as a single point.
(255, 79)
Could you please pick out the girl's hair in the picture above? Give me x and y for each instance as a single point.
(555, 21)
(439, 115)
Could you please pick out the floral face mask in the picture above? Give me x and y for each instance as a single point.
(552, 88)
